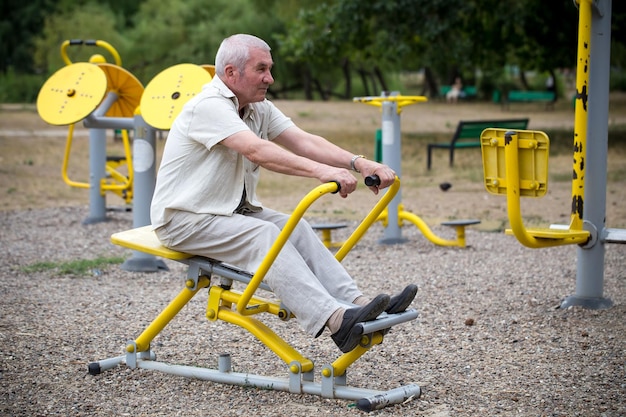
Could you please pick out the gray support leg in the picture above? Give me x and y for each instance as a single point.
(144, 165)
(590, 268)
(97, 171)
(392, 157)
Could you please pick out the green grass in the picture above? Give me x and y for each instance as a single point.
(79, 267)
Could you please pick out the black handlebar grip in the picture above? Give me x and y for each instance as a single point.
(91, 42)
(372, 180)
(76, 41)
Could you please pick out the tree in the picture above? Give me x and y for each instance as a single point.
(21, 22)
(450, 37)
(310, 47)
(374, 37)
(324, 47)
(169, 32)
(92, 21)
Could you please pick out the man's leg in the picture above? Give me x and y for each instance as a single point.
(326, 268)
(244, 241)
(331, 272)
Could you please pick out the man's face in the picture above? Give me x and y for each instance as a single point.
(252, 83)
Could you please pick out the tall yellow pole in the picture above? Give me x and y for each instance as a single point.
(580, 122)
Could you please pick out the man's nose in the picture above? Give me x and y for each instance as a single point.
(268, 78)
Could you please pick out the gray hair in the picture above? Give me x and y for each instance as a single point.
(235, 50)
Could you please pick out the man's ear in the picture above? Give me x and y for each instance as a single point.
(229, 70)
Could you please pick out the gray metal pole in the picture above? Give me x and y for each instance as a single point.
(392, 157)
(97, 124)
(144, 166)
(590, 258)
(97, 172)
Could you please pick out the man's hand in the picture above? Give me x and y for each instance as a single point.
(387, 175)
(347, 182)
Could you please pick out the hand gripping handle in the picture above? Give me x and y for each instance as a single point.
(372, 180)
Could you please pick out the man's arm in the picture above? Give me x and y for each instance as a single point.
(319, 149)
(271, 156)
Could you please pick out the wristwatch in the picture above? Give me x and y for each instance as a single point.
(353, 160)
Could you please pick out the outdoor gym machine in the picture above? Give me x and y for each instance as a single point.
(106, 96)
(516, 164)
(391, 107)
(161, 101)
(244, 309)
(103, 96)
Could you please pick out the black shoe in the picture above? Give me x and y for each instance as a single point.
(348, 336)
(400, 302)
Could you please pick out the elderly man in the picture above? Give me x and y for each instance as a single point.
(205, 199)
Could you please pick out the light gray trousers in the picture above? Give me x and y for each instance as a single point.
(305, 276)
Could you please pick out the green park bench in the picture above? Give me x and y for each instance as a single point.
(519, 96)
(467, 135)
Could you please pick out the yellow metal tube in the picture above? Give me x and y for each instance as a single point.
(112, 51)
(282, 238)
(428, 234)
(66, 161)
(295, 217)
(372, 217)
(511, 156)
(234, 296)
(580, 121)
(341, 364)
(125, 182)
(64, 56)
(159, 323)
(102, 44)
(270, 339)
(513, 194)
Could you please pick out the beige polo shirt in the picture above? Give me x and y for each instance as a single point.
(197, 173)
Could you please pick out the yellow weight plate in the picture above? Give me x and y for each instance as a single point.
(168, 91)
(71, 94)
(210, 68)
(127, 87)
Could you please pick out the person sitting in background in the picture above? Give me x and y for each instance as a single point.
(456, 91)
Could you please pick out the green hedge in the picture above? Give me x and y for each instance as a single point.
(20, 88)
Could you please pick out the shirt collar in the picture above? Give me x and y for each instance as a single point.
(224, 91)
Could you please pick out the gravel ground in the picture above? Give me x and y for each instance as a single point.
(490, 339)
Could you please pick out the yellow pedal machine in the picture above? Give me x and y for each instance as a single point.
(392, 218)
(242, 308)
(103, 96)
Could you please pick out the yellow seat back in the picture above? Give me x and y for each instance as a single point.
(533, 150)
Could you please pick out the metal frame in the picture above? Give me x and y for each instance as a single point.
(242, 308)
(587, 227)
(392, 218)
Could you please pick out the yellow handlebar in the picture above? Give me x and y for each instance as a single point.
(400, 100)
(102, 44)
(305, 203)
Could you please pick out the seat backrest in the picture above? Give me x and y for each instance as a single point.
(531, 156)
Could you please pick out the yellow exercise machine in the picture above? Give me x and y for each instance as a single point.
(73, 94)
(393, 217)
(169, 90)
(515, 163)
(161, 101)
(243, 308)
